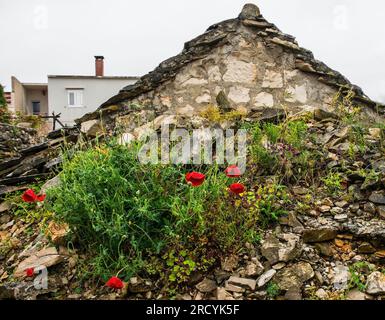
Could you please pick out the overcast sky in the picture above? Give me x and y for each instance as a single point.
(41, 37)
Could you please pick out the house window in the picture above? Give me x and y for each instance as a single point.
(36, 107)
(75, 97)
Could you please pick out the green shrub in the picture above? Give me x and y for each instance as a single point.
(358, 272)
(333, 182)
(280, 149)
(128, 215)
(272, 290)
(268, 203)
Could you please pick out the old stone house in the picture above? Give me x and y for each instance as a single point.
(245, 63)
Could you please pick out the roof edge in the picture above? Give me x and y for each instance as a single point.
(93, 77)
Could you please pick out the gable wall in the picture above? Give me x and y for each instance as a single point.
(252, 74)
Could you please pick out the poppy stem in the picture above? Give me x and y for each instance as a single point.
(189, 200)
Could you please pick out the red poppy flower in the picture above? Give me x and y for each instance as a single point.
(237, 188)
(41, 197)
(30, 196)
(233, 171)
(115, 283)
(195, 178)
(30, 272)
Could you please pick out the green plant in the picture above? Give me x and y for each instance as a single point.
(214, 114)
(273, 132)
(4, 113)
(272, 290)
(126, 214)
(267, 204)
(333, 182)
(182, 264)
(343, 103)
(115, 205)
(29, 212)
(35, 120)
(358, 273)
(280, 149)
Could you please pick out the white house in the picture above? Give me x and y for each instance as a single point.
(73, 96)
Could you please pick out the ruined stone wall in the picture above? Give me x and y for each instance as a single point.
(251, 74)
(245, 64)
(14, 138)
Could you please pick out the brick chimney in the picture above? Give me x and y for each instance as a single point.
(99, 66)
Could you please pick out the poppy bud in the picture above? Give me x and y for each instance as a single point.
(195, 178)
(115, 283)
(233, 171)
(237, 188)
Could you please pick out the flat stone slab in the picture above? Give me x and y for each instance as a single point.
(46, 257)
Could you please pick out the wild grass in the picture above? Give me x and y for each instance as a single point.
(126, 213)
(280, 150)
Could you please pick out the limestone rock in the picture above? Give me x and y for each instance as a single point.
(204, 98)
(272, 80)
(185, 111)
(376, 283)
(253, 269)
(138, 285)
(222, 294)
(377, 197)
(57, 232)
(46, 257)
(297, 94)
(341, 217)
(356, 295)
(233, 288)
(264, 99)
(206, 285)
(293, 294)
(230, 263)
(227, 55)
(375, 133)
(285, 250)
(249, 11)
(92, 128)
(294, 276)
(284, 43)
(54, 182)
(266, 277)
(239, 94)
(243, 282)
(321, 294)
(340, 276)
(319, 235)
(239, 71)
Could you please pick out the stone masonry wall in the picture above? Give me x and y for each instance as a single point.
(251, 74)
(245, 64)
(14, 138)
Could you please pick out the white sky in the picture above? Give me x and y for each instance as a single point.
(41, 37)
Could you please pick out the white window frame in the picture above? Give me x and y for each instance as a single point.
(78, 98)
